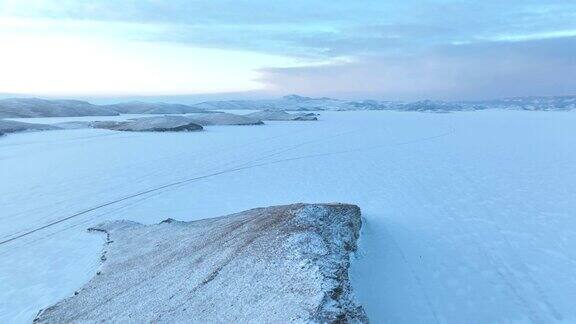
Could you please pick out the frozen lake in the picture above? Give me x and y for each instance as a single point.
(469, 217)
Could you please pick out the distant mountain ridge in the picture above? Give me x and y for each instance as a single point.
(34, 107)
(290, 102)
(535, 103)
(300, 103)
(139, 107)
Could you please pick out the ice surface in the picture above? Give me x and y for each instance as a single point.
(258, 266)
(469, 217)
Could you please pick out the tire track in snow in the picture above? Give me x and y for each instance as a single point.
(274, 152)
(159, 160)
(194, 179)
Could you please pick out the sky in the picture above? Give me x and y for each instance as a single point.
(396, 50)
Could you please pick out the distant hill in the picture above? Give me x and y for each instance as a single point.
(34, 107)
(280, 115)
(534, 103)
(9, 126)
(138, 107)
(299, 103)
(291, 102)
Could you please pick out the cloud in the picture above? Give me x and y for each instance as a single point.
(396, 48)
(317, 27)
(470, 71)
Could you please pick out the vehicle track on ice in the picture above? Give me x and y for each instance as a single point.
(226, 171)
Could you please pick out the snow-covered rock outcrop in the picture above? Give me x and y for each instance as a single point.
(9, 126)
(266, 265)
(151, 124)
(281, 115)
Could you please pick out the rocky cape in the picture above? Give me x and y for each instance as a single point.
(151, 124)
(277, 264)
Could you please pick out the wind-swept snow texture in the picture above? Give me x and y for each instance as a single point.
(468, 217)
(266, 265)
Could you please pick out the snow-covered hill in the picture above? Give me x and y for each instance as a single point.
(534, 103)
(34, 107)
(291, 102)
(9, 126)
(139, 107)
(299, 103)
(266, 265)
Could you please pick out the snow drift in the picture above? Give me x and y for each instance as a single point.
(275, 264)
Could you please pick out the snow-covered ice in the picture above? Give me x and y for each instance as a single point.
(469, 216)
